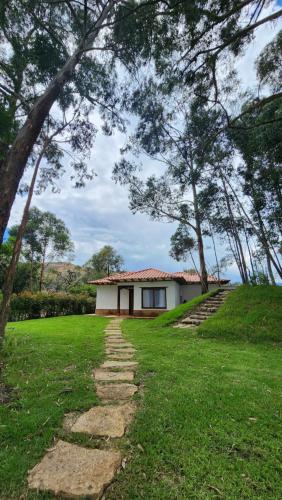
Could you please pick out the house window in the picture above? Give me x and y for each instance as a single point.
(153, 298)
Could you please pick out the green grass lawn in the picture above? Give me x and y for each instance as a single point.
(49, 363)
(209, 423)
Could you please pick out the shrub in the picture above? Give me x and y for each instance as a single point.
(29, 305)
(84, 289)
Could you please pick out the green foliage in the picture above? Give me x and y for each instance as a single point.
(269, 64)
(259, 278)
(48, 367)
(24, 270)
(106, 261)
(249, 313)
(46, 237)
(182, 243)
(29, 305)
(84, 289)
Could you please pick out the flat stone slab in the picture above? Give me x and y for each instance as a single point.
(122, 355)
(109, 339)
(119, 364)
(110, 376)
(126, 350)
(116, 392)
(116, 340)
(72, 471)
(117, 344)
(110, 421)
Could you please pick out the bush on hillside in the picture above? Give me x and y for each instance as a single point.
(84, 289)
(29, 305)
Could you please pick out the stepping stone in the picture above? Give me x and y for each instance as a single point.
(118, 342)
(72, 471)
(110, 421)
(110, 376)
(120, 364)
(116, 391)
(117, 356)
(127, 350)
(120, 345)
(115, 338)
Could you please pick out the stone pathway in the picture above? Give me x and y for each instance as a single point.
(73, 471)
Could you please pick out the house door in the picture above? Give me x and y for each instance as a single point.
(130, 300)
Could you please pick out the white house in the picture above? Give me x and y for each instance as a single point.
(148, 292)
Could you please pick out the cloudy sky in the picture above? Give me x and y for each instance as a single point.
(99, 214)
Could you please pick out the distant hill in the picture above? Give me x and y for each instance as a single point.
(61, 267)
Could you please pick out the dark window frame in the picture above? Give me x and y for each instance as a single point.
(153, 288)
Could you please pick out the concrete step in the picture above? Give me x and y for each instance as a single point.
(208, 308)
(191, 321)
(215, 301)
(200, 315)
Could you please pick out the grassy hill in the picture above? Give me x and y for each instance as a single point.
(208, 421)
(249, 313)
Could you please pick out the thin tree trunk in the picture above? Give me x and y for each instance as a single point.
(13, 167)
(236, 256)
(31, 274)
(265, 247)
(261, 237)
(10, 273)
(203, 269)
(269, 269)
(249, 250)
(236, 236)
(215, 254)
(42, 270)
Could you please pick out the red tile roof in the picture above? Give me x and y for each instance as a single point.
(152, 274)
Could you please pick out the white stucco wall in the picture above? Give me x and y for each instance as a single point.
(175, 294)
(106, 297)
(189, 292)
(107, 294)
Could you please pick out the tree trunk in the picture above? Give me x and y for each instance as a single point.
(42, 270)
(215, 254)
(13, 167)
(237, 240)
(31, 274)
(10, 273)
(265, 246)
(259, 235)
(236, 256)
(269, 269)
(203, 269)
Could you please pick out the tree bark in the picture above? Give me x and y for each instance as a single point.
(215, 253)
(10, 273)
(270, 273)
(203, 269)
(42, 271)
(261, 236)
(13, 167)
(237, 240)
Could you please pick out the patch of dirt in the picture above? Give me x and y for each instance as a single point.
(149, 374)
(5, 394)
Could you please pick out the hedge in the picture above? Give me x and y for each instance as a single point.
(27, 305)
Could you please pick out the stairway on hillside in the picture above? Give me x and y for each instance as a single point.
(204, 310)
